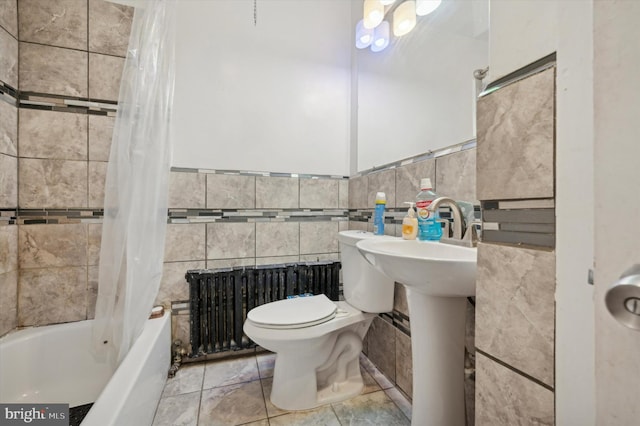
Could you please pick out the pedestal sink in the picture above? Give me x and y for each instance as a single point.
(438, 278)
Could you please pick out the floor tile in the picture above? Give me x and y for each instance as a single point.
(230, 372)
(263, 422)
(272, 410)
(320, 416)
(232, 405)
(237, 392)
(371, 409)
(370, 384)
(400, 400)
(187, 379)
(178, 410)
(380, 378)
(266, 362)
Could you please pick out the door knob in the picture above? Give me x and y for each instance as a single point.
(623, 298)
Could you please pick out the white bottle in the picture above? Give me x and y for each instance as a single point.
(410, 223)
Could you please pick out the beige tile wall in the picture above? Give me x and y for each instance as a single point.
(515, 288)
(71, 48)
(504, 397)
(453, 175)
(9, 58)
(8, 278)
(8, 168)
(252, 239)
(9, 16)
(516, 140)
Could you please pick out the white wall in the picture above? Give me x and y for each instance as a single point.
(521, 32)
(270, 97)
(419, 93)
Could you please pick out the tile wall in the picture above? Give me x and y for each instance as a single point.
(515, 286)
(452, 172)
(67, 57)
(225, 219)
(8, 166)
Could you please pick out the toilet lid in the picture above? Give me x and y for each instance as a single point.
(294, 313)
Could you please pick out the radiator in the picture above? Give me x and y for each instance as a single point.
(219, 299)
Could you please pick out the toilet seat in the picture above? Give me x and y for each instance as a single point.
(294, 313)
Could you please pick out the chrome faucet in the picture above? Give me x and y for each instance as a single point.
(468, 237)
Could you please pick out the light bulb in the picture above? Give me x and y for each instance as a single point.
(404, 18)
(373, 13)
(380, 37)
(425, 7)
(364, 36)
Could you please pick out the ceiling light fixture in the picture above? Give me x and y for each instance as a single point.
(425, 7)
(364, 36)
(404, 18)
(380, 37)
(373, 13)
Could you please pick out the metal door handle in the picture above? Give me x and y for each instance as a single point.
(623, 298)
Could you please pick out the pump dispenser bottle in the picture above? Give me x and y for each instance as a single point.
(410, 223)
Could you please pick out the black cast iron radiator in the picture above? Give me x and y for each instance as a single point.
(220, 298)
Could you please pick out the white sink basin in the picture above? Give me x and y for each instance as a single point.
(438, 278)
(427, 267)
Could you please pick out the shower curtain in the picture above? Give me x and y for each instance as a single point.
(135, 208)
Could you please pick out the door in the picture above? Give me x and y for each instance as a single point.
(617, 202)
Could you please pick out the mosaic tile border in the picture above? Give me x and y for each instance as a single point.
(520, 222)
(255, 173)
(42, 101)
(256, 215)
(57, 216)
(463, 146)
(8, 217)
(395, 215)
(8, 94)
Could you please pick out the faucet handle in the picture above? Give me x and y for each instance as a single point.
(471, 235)
(446, 232)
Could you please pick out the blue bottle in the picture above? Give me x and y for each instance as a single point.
(429, 228)
(378, 214)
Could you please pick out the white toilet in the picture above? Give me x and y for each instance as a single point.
(318, 342)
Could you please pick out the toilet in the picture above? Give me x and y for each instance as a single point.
(318, 341)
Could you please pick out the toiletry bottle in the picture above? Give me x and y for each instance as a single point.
(410, 223)
(429, 228)
(378, 215)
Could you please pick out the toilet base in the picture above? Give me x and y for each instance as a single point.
(340, 391)
(315, 365)
(338, 378)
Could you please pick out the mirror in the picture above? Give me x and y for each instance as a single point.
(419, 94)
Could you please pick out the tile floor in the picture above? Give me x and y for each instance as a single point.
(236, 392)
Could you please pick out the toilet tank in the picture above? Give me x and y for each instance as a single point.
(363, 286)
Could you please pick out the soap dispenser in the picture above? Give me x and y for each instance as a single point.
(410, 223)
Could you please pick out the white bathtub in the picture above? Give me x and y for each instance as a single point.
(54, 364)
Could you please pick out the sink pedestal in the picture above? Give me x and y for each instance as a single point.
(437, 349)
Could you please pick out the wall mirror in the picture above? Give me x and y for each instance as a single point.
(419, 93)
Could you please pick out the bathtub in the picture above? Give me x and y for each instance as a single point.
(54, 364)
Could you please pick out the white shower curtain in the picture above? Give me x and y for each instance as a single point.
(135, 208)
